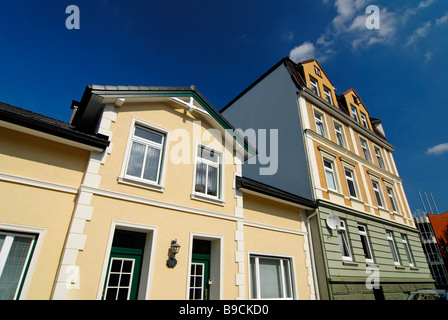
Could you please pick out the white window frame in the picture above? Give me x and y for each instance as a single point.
(353, 180)
(319, 120)
(377, 190)
(379, 157)
(340, 133)
(364, 234)
(317, 71)
(328, 96)
(407, 249)
(4, 254)
(219, 198)
(355, 113)
(365, 149)
(344, 240)
(157, 185)
(314, 86)
(290, 270)
(364, 120)
(392, 199)
(331, 171)
(393, 247)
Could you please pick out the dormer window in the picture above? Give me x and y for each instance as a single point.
(356, 100)
(355, 114)
(328, 95)
(314, 85)
(364, 120)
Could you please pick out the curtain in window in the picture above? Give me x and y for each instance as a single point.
(136, 160)
(330, 180)
(14, 265)
(270, 273)
(201, 171)
(152, 164)
(212, 187)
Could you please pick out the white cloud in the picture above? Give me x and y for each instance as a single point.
(303, 52)
(442, 20)
(413, 11)
(438, 149)
(421, 32)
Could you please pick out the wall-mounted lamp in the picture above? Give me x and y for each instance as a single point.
(174, 249)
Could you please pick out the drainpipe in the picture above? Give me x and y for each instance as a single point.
(310, 243)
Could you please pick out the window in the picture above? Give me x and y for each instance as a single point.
(355, 114)
(390, 193)
(328, 95)
(349, 175)
(339, 134)
(393, 247)
(364, 120)
(208, 172)
(365, 149)
(365, 243)
(329, 175)
(377, 191)
(145, 157)
(314, 85)
(407, 249)
(379, 157)
(344, 243)
(15, 254)
(317, 71)
(319, 119)
(270, 278)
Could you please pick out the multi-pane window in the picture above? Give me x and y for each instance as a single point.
(390, 194)
(379, 157)
(393, 247)
(327, 93)
(329, 175)
(344, 242)
(377, 191)
(15, 254)
(339, 134)
(145, 158)
(364, 120)
(349, 175)
(355, 114)
(407, 249)
(365, 149)
(319, 119)
(208, 172)
(367, 248)
(314, 86)
(270, 278)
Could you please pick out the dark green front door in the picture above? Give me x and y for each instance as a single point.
(125, 262)
(199, 277)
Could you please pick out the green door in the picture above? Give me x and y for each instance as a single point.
(125, 262)
(199, 277)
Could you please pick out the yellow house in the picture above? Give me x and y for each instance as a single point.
(143, 197)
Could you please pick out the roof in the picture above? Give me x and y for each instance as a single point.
(38, 122)
(258, 187)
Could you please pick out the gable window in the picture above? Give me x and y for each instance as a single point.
(314, 85)
(377, 191)
(145, 157)
(355, 114)
(379, 157)
(327, 93)
(270, 278)
(393, 247)
(367, 248)
(319, 119)
(317, 71)
(349, 175)
(329, 175)
(365, 149)
(407, 249)
(364, 120)
(339, 134)
(208, 172)
(15, 254)
(390, 194)
(344, 242)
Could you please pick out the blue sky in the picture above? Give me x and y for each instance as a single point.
(399, 70)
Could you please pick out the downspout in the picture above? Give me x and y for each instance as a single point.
(313, 262)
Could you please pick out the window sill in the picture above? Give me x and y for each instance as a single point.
(205, 198)
(399, 267)
(141, 184)
(414, 268)
(349, 263)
